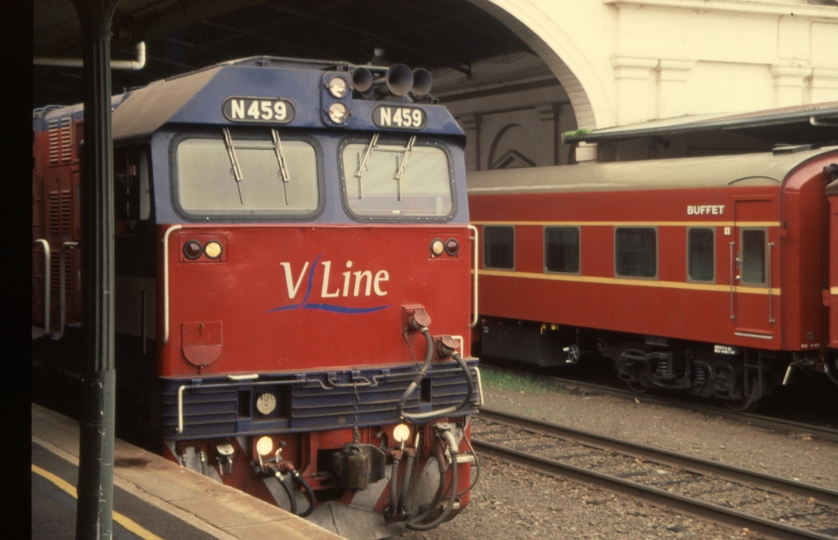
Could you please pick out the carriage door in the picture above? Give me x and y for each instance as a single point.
(754, 287)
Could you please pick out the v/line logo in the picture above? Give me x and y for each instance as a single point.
(360, 283)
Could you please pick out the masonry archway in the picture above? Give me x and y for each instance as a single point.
(558, 51)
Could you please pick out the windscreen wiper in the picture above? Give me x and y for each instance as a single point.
(362, 164)
(280, 159)
(231, 153)
(405, 156)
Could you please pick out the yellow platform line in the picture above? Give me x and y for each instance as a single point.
(70, 489)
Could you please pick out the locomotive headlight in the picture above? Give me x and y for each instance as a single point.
(264, 446)
(401, 433)
(338, 87)
(338, 113)
(212, 250)
(437, 247)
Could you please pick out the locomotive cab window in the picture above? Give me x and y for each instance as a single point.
(246, 174)
(132, 195)
(499, 247)
(753, 256)
(561, 249)
(701, 255)
(636, 252)
(396, 179)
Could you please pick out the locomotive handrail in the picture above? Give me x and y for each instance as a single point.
(43, 243)
(166, 281)
(62, 285)
(476, 245)
(732, 284)
(768, 271)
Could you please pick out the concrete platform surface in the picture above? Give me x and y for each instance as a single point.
(160, 495)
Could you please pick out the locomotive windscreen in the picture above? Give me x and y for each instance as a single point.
(257, 173)
(397, 178)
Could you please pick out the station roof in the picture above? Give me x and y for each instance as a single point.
(803, 124)
(186, 35)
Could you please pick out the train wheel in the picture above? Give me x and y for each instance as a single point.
(636, 387)
(745, 403)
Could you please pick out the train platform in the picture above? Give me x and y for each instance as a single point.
(153, 497)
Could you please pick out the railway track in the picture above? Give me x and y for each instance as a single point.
(776, 424)
(771, 506)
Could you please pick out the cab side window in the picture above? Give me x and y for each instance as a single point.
(132, 192)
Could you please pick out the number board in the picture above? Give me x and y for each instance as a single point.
(399, 117)
(244, 109)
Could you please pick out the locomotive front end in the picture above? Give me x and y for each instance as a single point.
(313, 287)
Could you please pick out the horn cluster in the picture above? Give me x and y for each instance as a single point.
(398, 79)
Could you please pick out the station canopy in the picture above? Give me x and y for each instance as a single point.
(186, 35)
(799, 125)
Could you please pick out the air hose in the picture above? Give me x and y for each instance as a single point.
(419, 418)
(394, 482)
(408, 473)
(288, 492)
(308, 491)
(452, 448)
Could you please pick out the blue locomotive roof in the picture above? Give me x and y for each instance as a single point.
(197, 98)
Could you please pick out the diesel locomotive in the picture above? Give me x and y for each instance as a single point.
(714, 276)
(294, 269)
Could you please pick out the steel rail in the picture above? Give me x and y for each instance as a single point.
(688, 463)
(658, 497)
(823, 433)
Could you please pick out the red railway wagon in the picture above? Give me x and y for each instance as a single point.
(698, 274)
(288, 235)
(830, 293)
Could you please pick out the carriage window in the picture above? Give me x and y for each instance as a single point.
(636, 252)
(499, 247)
(561, 249)
(247, 174)
(396, 178)
(753, 256)
(700, 255)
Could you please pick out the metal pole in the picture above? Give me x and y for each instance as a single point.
(96, 422)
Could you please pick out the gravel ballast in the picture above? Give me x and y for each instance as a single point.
(512, 503)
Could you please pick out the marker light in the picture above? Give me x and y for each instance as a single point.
(437, 247)
(264, 446)
(338, 87)
(338, 113)
(401, 433)
(452, 247)
(212, 249)
(192, 249)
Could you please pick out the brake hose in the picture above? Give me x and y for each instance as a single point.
(408, 473)
(419, 418)
(452, 448)
(288, 492)
(307, 489)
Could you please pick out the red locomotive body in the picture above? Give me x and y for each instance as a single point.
(699, 274)
(279, 261)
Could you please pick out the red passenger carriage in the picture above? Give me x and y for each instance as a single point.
(705, 275)
(283, 241)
